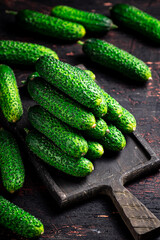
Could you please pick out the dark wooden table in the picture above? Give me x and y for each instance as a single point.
(97, 218)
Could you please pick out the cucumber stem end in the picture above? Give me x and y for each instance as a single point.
(114, 26)
(80, 42)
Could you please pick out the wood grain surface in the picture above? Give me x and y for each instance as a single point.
(96, 218)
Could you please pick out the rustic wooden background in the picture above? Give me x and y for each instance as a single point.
(97, 218)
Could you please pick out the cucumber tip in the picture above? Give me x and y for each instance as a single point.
(83, 154)
(42, 232)
(114, 26)
(134, 128)
(94, 125)
(80, 42)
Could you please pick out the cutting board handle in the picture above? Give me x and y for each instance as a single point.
(139, 220)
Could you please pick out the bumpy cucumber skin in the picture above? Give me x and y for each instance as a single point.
(91, 74)
(102, 109)
(65, 137)
(10, 101)
(114, 108)
(22, 52)
(126, 122)
(95, 150)
(117, 59)
(122, 118)
(133, 18)
(93, 22)
(11, 165)
(50, 26)
(113, 140)
(18, 220)
(60, 105)
(71, 80)
(51, 154)
(99, 131)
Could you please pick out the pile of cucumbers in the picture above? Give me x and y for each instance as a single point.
(74, 121)
(71, 113)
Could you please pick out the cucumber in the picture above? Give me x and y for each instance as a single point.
(65, 137)
(102, 109)
(11, 165)
(114, 108)
(10, 101)
(117, 59)
(22, 52)
(97, 132)
(93, 22)
(113, 140)
(59, 104)
(51, 154)
(49, 26)
(95, 150)
(126, 122)
(18, 220)
(71, 80)
(122, 118)
(133, 18)
(119, 116)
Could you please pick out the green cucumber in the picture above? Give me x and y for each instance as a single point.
(11, 165)
(113, 140)
(18, 220)
(122, 118)
(97, 132)
(59, 104)
(49, 26)
(133, 18)
(126, 122)
(22, 52)
(71, 80)
(95, 150)
(10, 101)
(117, 59)
(114, 108)
(65, 137)
(51, 154)
(93, 22)
(102, 109)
